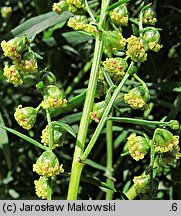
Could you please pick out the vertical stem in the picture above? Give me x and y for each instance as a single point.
(109, 171)
(84, 123)
(50, 130)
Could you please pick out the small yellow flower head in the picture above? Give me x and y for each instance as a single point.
(53, 98)
(26, 116)
(48, 165)
(42, 187)
(79, 4)
(28, 63)
(152, 36)
(97, 112)
(136, 49)
(90, 29)
(6, 12)
(141, 185)
(149, 16)
(60, 7)
(77, 22)
(170, 156)
(13, 75)
(13, 48)
(164, 140)
(137, 97)
(138, 146)
(114, 41)
(119, 15)
(116, 68)
(58, 137)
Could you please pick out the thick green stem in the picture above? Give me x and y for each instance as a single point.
(131, 193)
(84, 123)
(103, 120)
(109, 168)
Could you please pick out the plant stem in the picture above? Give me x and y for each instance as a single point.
(103, 120)
(131, 193)
(109, 171)
(139, 121)
(50, 129)
(84, 123)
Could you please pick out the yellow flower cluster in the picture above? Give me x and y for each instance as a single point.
(138, 146)
(50, 101)
(13, 75)
(42, 187)
(136, 49)
(48, 165)
(26, 117)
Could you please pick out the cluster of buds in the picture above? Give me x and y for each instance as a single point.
(138, 146)
(136, 49)
(116, 68)
(53, 97)
(25, 116)
(137, 97)
(74, 6)
(24, 60)
(119, 15)
(114, 42)
(141, 185)
(47, 165)
(58, 136)
(149, 16)
(152, 36)
(80, 22)
(165, 141)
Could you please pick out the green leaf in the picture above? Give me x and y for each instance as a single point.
(95, 165)
(72, 118)
(67, 128)
(3, 133)
(35, 25)
(28, 139)
(13, 194)
(75, 37)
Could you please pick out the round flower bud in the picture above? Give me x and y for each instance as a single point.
(164, 140)
(13, 48)
(13, 75)
(60, 7)
(42, 187)
(152, 36)
(26, 116)
(136, 49)
(58, 136)
(53, 97)
(137, 97)
(48, 165)
(48, 78)
(77, 22)
(141, 185)
(174, 125)
(6, 12)
(116, 68)
(97, 112)
(149, 16)
(114, 41)
(119, 15)
(138, 146)
(28, 63)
